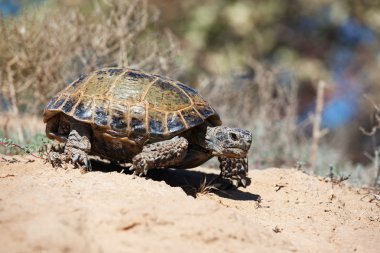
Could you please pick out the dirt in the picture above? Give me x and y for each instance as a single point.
(43, 209)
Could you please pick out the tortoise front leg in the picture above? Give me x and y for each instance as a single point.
(234, 171)
(75, 150)
(160, 155)
(78, 146)
(55, 153)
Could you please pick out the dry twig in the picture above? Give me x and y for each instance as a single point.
(375, 158)
(317, 132)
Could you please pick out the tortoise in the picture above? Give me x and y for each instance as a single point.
(147, 120)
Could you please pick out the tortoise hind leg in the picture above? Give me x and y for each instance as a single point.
(160, 155)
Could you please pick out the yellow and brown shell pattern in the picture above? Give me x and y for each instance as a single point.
(124, 102)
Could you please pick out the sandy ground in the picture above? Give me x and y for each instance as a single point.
(284, 210)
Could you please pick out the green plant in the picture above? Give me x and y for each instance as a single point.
(10, 147)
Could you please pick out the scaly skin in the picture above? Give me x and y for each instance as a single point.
(75, 150)
(55, 155)
(160, 155)
(234, 170)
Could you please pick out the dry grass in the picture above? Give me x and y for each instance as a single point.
(318, 133)
(375, 157)
(41, 51)
(206, 187)
(22, 128)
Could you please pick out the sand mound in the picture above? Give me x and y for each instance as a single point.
(47, 210)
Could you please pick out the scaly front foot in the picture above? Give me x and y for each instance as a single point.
(55, 154)
(77, 149)
(234, 172)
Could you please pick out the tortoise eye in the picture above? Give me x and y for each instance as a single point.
(233, 136)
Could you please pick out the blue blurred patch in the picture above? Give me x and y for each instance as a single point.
(340, 111)
(344, 106)
(9, 7)
(352, 34)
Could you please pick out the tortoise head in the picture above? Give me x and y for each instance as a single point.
(228, 141)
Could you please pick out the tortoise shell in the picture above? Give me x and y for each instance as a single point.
(125, 102)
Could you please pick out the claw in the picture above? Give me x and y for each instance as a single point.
(138, 173)
(244, 182)
(127, 165)
(235, 183)
(140, 170)
(75, 158)
(87, 164)
(145, 171)
(55, 159)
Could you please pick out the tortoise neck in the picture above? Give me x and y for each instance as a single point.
(201, 136)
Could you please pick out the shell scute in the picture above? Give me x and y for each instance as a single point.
(59, 102)
(164, 95)
(114, 71)
(99, 84)
(138, 75)
(191, 117)
(101, 113)
(156, 124)
(186, 88)
(83, 111)
(193, 94)
(52, 101)
(119, 116)
(118, 123)
(205, 110)
(175, 123)
(70, 103)
(76, 85)
(137, 117)
(131, 86)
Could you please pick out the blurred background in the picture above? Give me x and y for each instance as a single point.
(259, 62)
